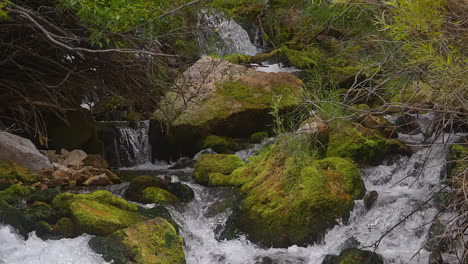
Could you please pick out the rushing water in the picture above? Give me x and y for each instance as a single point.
(403, 183)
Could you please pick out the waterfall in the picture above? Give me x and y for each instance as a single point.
(131, 144)
(220, 34)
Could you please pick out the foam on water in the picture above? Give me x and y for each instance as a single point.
(16, 250)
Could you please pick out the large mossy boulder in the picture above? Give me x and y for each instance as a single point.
(354, 256)
(292, 198)
(147, 189)
(151, 242)
(217, 97)
(15, 193)
(97, 213)
(215, 169)
(362, 145)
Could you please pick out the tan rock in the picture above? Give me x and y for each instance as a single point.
(60, 174)
(381, 124)
(58, 182)
(318, 130)
(97, 161)
(100, 179)
(112, 176)
(75, 158)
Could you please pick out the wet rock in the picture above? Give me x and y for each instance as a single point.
(58, 182)
(12, 173)
(158, 195)
(202, 152)
(214, 170)
(64, 228)
(370, 199)
(436, 242)
(183, 163)
(436, 258)
(381, 124)
(354, 255)
(22, 151)
(97, 180)
(138, 185)
(182, 191)
(151, 242)
(46, 195)
(408, 124)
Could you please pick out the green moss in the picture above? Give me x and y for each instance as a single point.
(15, 193)
(63, 201)
(257, 137)
(100, 219)
(158, 195)
(360, 144)
(292, 199)
(151, 242)
(218, 144)
(215, 166)
(64, 227)
(457, 160)
(237, 58)
(11, 173)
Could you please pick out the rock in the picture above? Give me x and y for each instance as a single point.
(318, 131)
(291, 199)
(138, 185)
(58, 182)
(112, 176)
(22, 151)
(381, 124)
(257, 137)
(158, 195)
(354, 255)
(216, 143)
(407, 124)
(97, 180)
(202, 152)
(363, 145)
(51, 155)
(64, 228)
(60, 174)
(151, 242)
(212, 170)
(79, 177)
(99, 218)
(96, 160)
(46, 195)
(219, 98)
(436, 257)
(75, 158)
(158, 211)
(12, 173)
(370, 199)
(183, 163)
(15, 193)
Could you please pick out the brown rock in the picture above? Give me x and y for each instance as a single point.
(60, 174)
(97, 161)
(75, 158)
(381, 124)
(39, 186)
(100, 179)
(318, 130)
(79, 177)
(58, 182)
(112, 176)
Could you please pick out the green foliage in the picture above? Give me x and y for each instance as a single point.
(3, 12)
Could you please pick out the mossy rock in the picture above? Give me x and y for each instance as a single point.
(292, 199)
(362, 145)
(257, 137)
(135, 191)
(354, 256)
(15, 193)
(214, 169)
(63, 201)
(100, 219)
(46, 195)
(150, 242)
(457, 159)
(158, 195)
(216, 143)
(64, 228)
(158, 211)
(11, 173)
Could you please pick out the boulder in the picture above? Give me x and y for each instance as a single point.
(318, 131)
(150, 242)
(96, 160)
(97, 180)
(370, 198)
(363, 145)
(214, 170)
(22, 151)
(291, 198)
(12, 173)
(220, 98)
(137, 189)
(75, 158)
(158, 195)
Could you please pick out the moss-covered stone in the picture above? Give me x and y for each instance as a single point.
(100, 219)
(214, 169)
(354, 256)
(158, 195)
(63, 201)
(158, 211)
(15, 193)
(457, 159)
(151, 242)
(64, 227)
(362, 145)
(135, 191)
(292, 199)
(46, 195)
(216, 143)
(257, 137)
(11, 173)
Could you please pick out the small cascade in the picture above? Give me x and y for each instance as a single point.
(131, 145)
(220, 34)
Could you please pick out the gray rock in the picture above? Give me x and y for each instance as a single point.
(22, 151)
(370, 199)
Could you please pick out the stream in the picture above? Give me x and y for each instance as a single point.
(403, 184)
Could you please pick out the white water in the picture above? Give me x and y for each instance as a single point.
(275, 67)
(15, 250)
(221, 34)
